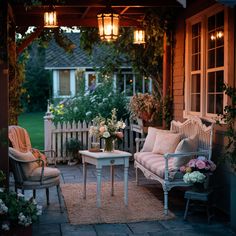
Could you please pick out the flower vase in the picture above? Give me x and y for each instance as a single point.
(109, 145)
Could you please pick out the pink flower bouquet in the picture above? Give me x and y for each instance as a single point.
(195, 169)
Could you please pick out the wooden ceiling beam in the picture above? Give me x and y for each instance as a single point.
(114, 3)
(72, 21)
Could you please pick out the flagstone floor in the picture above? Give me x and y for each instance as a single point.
(52, 222)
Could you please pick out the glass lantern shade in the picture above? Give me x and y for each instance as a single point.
(139, 36)
(108, 25)
(50, 19)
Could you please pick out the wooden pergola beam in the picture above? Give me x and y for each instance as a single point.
(71, 21)
(28, 40)
(4, 96)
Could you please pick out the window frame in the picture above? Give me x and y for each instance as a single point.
(202, 18)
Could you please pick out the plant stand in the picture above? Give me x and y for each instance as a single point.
(199, 196)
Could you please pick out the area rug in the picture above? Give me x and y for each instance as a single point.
(143, 205)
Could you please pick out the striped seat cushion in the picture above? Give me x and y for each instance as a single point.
(155, 163)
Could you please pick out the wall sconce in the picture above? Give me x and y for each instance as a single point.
(108, 24)
(139, 36)
(50, 18)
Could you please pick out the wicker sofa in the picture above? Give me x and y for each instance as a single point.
(162, 152)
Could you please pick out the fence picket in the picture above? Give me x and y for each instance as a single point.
(80, 130)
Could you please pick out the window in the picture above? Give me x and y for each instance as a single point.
(90, 81)
(64, 83)
(205, 65)
(133, 83)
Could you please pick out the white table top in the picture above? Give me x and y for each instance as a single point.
(116, 153)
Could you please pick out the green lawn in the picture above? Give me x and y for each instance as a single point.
(33, 123)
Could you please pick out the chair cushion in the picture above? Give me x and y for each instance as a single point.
(151, 137)
(27, 168)
(48, 173)
(155, 163)
(166, 142)
(186, 145)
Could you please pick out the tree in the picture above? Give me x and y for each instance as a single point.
(37, 84)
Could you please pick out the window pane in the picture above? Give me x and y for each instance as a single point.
(64, 82)
(220, 19)
(120, 83)
(211, 23)
(129, 85)
(195, 92)
(195, 102)
(211, 82)
(211, 40)
(195, 62)
(211, 59)
(196, 46)
(195, 85)
(215, 92)
(220, 56)
(91, 82)
(138, 84)
(219, 103)
(211, 103)
(219, 81)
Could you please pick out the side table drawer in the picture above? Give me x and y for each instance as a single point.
(115, 161)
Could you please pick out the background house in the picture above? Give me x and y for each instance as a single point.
(74, 72)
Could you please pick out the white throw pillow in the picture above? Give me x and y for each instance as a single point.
(185, 145)
(25, 156)
(151, 137)
(166, 142)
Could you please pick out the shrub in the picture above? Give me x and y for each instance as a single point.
(85, 107)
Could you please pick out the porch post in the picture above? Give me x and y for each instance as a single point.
(166, 71)
(4, 90)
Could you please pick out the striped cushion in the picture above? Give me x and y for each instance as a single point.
(155, 163)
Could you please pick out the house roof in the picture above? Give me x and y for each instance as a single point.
(57, 57)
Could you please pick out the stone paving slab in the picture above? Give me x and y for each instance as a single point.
(52, 222)
(143, 227)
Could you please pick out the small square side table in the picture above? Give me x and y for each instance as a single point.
(100, 159)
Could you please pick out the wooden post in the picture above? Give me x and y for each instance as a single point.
(4, 78)
(166, 71)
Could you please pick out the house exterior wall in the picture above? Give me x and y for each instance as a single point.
(222, 176)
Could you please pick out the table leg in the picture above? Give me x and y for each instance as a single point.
(99, 170)
(112, 180)
(126, 185)
(84, 178)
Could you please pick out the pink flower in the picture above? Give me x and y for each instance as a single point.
(200, 164)
(102, 129)
(192, 163)
(212, 165)
(182, 169)
(119, 135)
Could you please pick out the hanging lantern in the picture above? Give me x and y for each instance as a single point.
(139, 36)
(50, 18)
(108, 25)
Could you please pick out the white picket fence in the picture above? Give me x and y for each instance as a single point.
(55, 137)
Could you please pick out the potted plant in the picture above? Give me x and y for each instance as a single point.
(229, 154)
(16, 212)
(145, 107)
(73, 146)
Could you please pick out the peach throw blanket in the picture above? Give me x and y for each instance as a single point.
(20, 140)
